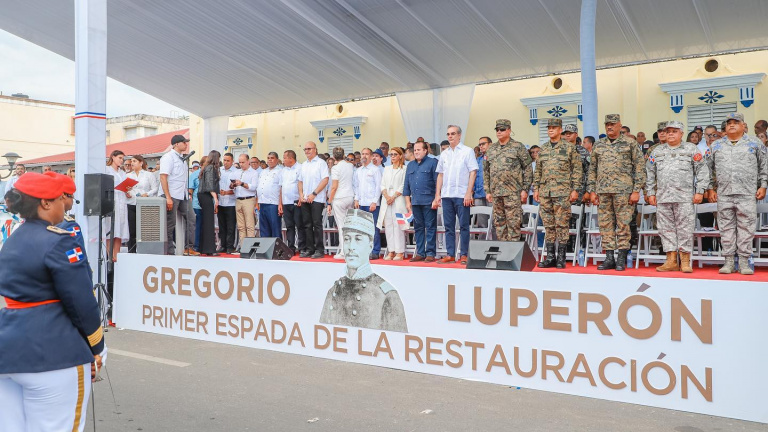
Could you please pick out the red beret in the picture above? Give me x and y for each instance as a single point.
(66, 181)
(39, 186)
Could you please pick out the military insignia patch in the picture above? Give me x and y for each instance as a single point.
(75, 255)
(75, 231)
(697, 157)
(58, 230)
(651, 159)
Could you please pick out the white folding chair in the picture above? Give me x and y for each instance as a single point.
(476, 232)
(646, 231)
(594, 247)
(761, 233)
(529, 229)
(577, 210)
(705, 231)
(328, 236)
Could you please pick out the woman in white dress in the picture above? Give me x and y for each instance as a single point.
(392, 202)
(145, 187)
(114, 168)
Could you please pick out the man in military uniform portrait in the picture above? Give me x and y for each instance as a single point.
(677, 177)
(616, 177)
(739, 166)
(362, 298)
(507, 174)
(556, 182)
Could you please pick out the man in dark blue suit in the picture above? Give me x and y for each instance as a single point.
(419, 193)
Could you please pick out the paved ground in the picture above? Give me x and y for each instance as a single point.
(202, 386)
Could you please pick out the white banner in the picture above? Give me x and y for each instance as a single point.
(691, 345)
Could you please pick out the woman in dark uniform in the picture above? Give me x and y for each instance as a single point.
(50, 331)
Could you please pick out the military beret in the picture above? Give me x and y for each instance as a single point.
(660, 126)
(735, 116)
(675, 124)
(571, 128)
(503, 123)
(39, 186)
(612, 118)
(555, 122)
(67, 184)
(360, 221)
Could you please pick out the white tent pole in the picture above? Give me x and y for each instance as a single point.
(588, 75)
(90, 106)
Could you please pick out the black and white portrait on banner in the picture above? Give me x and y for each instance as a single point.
(362, 298)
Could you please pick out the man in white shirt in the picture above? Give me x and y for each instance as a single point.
(313, 178)
(227, 214)
(246, 182)
(368, 193)
(342, 195)
(456, 170)
(173, 180)
(270, 199)
(289, 209)
(384, 147)
(18, 172)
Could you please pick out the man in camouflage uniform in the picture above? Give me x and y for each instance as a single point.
(677, 177)
(556, 181)
(507, 174)
(616, 177)
(661, 131)
(739, 166)
(571, 134)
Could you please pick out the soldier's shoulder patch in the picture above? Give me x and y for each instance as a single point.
(74, 255)
(651, 159)
(69, 218)
(697, 156)
(57, 230)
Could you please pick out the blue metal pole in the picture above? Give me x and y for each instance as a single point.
(588, 75)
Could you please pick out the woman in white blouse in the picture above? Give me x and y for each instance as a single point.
(145, 187)
(114, 168)
(392, 202)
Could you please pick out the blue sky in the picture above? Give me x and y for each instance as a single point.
(32, 70)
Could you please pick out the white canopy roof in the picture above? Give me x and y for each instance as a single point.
(236, 56)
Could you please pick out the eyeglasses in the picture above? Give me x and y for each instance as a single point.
(393, 154)
(501, 129)
(452, 133)
(350, 159)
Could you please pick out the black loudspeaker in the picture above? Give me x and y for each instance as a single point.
(266, 248)
(500, 255)
(99, 195)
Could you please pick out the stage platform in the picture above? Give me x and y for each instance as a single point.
(709, 272)
(689, 342)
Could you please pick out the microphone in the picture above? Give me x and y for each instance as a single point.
(77, 201)
(186, 158)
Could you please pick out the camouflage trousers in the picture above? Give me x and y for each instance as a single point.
(613, 217)
(555, 215)
(737, 220)
(507, 217)
(676, 222)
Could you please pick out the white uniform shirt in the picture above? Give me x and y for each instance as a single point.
(455, 165)
(368, 185)
(289, 178)
(311, 174)
(146, 185)
(269, 186)
(343, 172)
(702, 145)
(249, 177)
(224, 177)
(176, 169)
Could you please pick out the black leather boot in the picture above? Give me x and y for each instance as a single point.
(621, 261)
(609, 263)
(551, 259)
(561, 256)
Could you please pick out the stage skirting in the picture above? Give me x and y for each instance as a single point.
(690, 345)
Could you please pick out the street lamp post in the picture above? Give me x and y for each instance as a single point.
(11, 159)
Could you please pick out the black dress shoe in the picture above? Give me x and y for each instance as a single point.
(304, 254)
(231, 251)
(220, 250)
(374, 256)
(318, 255)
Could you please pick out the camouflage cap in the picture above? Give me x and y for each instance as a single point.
(660, 126)
(555, 122)
(360, 221)
(571, 128)
(503, 123)
(675, 124)
(734, 116)
(612, 118)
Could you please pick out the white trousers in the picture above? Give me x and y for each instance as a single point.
(45, 401)
(340, 207)
(395, 236)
